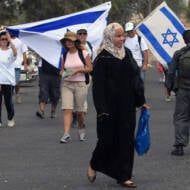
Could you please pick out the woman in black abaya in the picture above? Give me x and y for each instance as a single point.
(117, 91)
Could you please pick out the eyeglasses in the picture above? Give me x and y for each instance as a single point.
(82, 33)
(3, 39)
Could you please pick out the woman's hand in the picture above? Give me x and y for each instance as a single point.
(61, 72)
(79, 70)
(75, 71)
(146, 106)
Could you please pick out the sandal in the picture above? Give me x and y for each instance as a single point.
(128, 184)
(91, 177)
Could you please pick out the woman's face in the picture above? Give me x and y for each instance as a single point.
(69, 44)
(119, 38)
(3, 40)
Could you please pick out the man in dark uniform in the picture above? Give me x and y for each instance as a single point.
(179, 81)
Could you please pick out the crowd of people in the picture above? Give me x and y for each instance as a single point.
(117, 74)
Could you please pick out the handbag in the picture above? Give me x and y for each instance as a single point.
(142, 140)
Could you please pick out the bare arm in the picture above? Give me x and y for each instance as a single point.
(62, 67)
(11, 44)
(86, 69)
(145, 63)
(25, 61)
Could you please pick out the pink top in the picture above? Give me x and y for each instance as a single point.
(73, 61)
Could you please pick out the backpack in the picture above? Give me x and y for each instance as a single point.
(87, 79)
(173, 83)
(139, 41)
(91, 48)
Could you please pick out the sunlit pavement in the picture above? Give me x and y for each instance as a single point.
(31, 157)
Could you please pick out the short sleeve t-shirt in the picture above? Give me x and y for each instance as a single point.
(133, 45)
(73, 61)
(7, 68)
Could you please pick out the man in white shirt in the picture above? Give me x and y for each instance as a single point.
(82, 35)
(137, 46)
(21, 59)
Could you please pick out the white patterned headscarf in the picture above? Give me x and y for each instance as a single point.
(108, 41)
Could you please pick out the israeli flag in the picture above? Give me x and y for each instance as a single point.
(162, 31)
(44, 36)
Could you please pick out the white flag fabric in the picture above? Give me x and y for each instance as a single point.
(44, 36)
(162, 31)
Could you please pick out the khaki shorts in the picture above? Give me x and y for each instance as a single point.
(73, 95)
(85, 108)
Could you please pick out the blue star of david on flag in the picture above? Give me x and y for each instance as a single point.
(170, 37)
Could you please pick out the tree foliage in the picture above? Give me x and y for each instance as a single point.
(8, 10)
(23, 11)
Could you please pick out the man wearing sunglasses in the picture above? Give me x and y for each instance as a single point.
(82, 36)
(137, 46)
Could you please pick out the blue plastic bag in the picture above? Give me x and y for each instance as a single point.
(142, 141)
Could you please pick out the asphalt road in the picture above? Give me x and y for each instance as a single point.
(31, 157)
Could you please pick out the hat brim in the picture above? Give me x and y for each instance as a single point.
(71, 39)
(129, 29)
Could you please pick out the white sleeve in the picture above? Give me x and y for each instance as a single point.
(24, 48)
(85, 53)
(143, 44)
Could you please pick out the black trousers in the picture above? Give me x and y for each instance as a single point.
(181, 118)
(7, 92)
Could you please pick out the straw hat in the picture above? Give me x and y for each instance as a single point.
(69, 36)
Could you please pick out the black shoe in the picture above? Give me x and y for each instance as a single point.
(178, 151)
(40, 114)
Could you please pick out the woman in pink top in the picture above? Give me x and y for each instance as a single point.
(74, 88)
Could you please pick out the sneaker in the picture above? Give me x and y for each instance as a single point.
(178, 151)
(65, 138)
(40, 114)
(11, 123)
(82, 134)
(53, 115)
(18, 99)
(168, 99)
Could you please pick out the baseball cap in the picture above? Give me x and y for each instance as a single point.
(81, 30)
(129, 26)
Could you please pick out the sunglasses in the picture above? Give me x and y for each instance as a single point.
(4, 39)
(130, 31)
(82, 33)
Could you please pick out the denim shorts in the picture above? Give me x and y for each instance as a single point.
(17, 75)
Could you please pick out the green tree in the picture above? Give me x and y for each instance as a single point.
(13, 12)
(9, 11)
